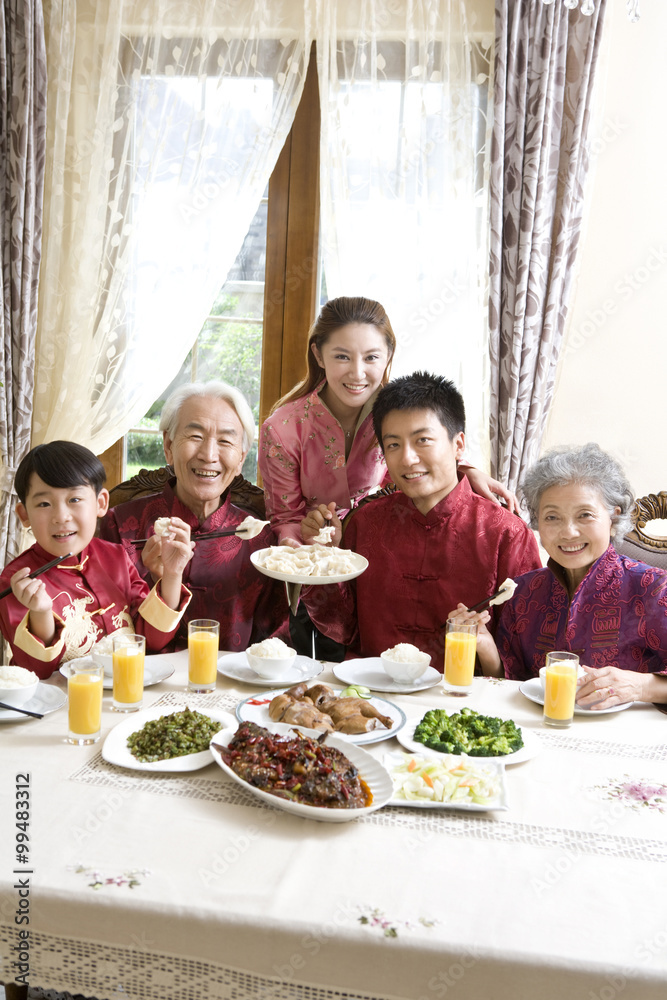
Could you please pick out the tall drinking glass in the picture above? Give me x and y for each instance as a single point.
(84, 694)
(128, 672)
(203, 641)
(560, 689)
(460, 649)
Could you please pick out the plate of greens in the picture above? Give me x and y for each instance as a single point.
(468, 732)
(181, 734)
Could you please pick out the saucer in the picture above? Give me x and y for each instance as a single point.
(47, 698)
(235, 666)
(370, 673)
(154, 673)
(532, 689)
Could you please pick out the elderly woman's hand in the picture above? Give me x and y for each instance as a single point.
(605, 687)
(486, 647)
(320, 517)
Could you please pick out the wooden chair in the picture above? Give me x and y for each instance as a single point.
(639, 545)
(243, 494)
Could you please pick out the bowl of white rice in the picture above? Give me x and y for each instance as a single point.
(405, 663)
(17, 685)
(102, 654)
(271, 658)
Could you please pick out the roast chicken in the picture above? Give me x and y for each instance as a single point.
(319, 707)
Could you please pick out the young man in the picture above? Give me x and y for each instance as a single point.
(431, 545)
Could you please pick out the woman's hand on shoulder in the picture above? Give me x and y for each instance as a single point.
(320, 517)
(492, 489)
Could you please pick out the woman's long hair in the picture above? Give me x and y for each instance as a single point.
(335, 314)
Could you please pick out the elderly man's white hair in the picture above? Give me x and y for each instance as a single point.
(210, 390)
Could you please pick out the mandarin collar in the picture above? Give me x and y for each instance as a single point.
(74, 562)
(458, 498)
(178, 509)
(604, 568)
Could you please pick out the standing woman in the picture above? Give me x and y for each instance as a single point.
(317, 449)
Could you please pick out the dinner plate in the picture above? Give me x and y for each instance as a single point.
(370, 672)
(496, 765)
(370, 770)
(530, 748)
(235, 666)
(46, 699)
(259, 713)
(360, 563)
(532, 689)
(115, 750)
(153, 672)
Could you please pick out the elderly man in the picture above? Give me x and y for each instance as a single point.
(432, 544)
(207, 430)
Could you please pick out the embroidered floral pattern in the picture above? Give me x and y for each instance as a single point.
(635, 794)
(375, 919)
(98, 880)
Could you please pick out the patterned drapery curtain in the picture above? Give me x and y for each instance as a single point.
(22, 147)
(404, 91)
(165, 120)
(545, 65)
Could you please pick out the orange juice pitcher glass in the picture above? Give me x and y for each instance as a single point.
(460, 650)
(84, 694)
(203, 641)
(560, 688)
(128, 672)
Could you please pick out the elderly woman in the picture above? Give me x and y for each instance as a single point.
(590, 600)
(207, 430)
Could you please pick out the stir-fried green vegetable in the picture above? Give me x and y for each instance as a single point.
(468, 732)
(173, 735)
(449, 779)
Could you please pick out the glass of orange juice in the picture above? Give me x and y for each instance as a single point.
(84, 693)
(203, 640)
(128, 672)
(460, 649)
(560, 688)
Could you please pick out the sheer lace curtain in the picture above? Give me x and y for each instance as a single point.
(22, 141)
(165, 119)
(404, 90)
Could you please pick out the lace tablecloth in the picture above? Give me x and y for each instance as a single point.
(185, 886)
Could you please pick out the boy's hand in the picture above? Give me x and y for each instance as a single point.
(31, 593)
(151, 557)
(177, 548)
(323, 516)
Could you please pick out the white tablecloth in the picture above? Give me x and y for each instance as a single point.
(183, 887)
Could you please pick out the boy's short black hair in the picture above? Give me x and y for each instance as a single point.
(421, 391)
(61, 464)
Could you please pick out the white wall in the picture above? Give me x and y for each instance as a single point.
(612, 381)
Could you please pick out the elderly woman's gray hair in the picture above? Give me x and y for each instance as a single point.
(212, 390)
(588, 466)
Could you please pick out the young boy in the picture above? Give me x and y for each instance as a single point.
(430, 545)
(96, 590)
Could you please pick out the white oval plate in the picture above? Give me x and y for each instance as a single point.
(530, 748)
(235, 666)
(360, 562)
(115, 750)
(370, 672)
(392, 760)
(532, 689)
(246, 712)
(370, 770)
(154, 673)
(46, 699)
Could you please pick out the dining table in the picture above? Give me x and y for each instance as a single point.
(141, 885)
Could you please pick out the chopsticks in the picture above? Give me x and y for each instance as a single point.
(487, 600)
(197, 538)
(38, 572)
(23, 711)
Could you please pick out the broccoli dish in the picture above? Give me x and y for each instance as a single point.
(468, 732)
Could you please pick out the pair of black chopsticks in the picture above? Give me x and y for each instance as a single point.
(195, 538)
(38, 572)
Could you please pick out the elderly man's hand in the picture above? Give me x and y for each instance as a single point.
(323, 516)
(177, 547)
